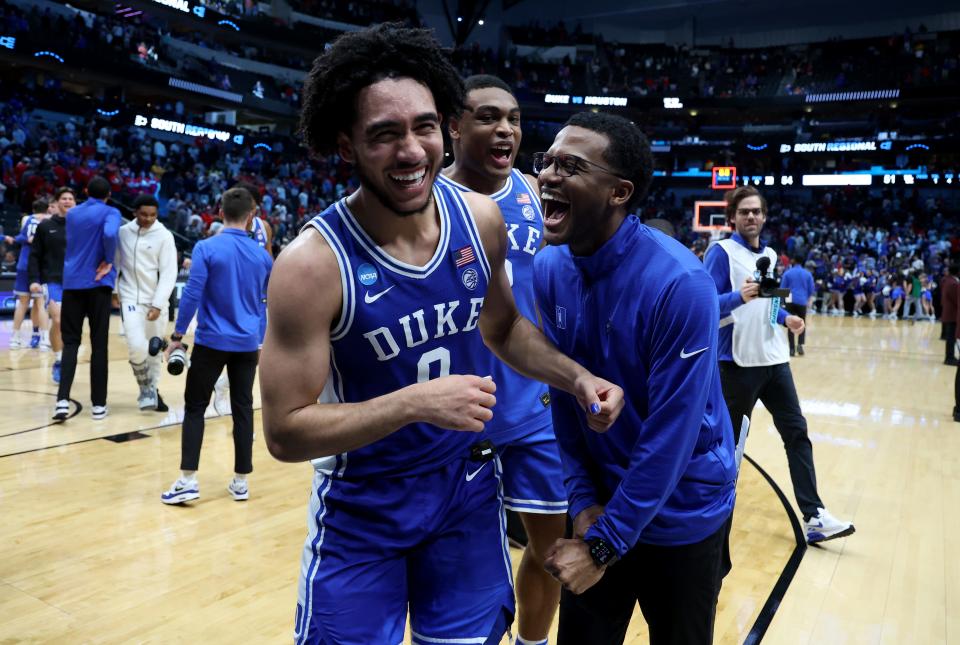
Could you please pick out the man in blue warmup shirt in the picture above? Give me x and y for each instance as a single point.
(754, 364)
(88, 281)
(799, 281)
(486, 139)
(226, 289)
(21, 286)
(651, 499)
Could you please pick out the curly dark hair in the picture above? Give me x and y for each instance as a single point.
(358, 59)
(628, 150)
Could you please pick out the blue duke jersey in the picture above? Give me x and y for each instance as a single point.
(522, 403)
(27, 232)
(401, 324)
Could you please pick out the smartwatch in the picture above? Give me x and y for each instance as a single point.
(175, 337)
(602, 553)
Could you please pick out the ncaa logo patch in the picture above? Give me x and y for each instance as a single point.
(470, 279)
(528, 213)
(367, 274)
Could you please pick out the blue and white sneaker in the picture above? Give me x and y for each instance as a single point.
(238, 489)
(35, 340)
(55, 372)
(181, 491)
(824, 526)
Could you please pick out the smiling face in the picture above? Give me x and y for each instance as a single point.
(486, 137)
(585, 209)
(65, 202)
(396, 144)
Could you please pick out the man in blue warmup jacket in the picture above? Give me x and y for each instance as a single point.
(88, 281)
(651, 499)
(226, 289)
(799, 281)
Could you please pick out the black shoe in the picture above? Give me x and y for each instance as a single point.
(793, 353)
(161, 406)
(800, 349)
(951, 361)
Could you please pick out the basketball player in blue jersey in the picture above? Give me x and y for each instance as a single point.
(486, 137)
(379, 305)
(21, 287)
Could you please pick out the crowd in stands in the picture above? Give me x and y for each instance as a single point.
(36, 157)
(854, 241)
(903, 60)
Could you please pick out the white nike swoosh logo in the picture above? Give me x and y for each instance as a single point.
(470, 476)
(367, 298)
(683, 354)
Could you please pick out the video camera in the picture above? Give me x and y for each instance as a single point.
(769, 280)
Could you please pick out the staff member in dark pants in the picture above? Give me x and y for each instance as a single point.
(799, 281)
(88, 281)
(754, 363)
(651, 499)
(948, 312)
(226, 289)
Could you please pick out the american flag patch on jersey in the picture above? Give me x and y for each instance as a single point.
(523, 198)
(464, 256)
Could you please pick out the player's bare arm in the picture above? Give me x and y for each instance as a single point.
(305, 298)
(518, 342)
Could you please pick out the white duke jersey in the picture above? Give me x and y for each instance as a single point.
(522, 404)
(402, 324)
(259, 233)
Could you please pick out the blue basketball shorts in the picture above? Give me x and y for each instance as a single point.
(533, 474)
(21, 284)
(54, 292)
(433, 544)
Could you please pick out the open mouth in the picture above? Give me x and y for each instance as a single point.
(555, 208)
(500, 154)
(409, 180)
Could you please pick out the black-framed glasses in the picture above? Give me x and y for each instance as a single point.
(567, 165)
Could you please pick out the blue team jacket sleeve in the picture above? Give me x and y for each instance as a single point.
(111, 232)
(581, 492)
(717, 264)
(782, 316)
(193, 290)
(685, 321)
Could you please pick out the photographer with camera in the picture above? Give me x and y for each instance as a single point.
(147, 259)
(753, 353)
(226, 289)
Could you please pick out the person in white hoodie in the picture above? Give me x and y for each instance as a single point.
(147, 259)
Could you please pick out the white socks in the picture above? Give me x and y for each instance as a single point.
(524, 641)
(188, 475)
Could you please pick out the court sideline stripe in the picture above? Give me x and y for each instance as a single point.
(769, 609)
(73, 443)
(76, 411)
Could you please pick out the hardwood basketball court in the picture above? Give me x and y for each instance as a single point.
(91, 555)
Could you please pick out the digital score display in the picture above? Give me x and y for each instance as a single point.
(724, 178)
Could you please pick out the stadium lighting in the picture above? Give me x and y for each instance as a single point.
(49, 54)
(459, 18)
(838, 180)
(480, 22)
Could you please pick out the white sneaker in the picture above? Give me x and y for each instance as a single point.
(182, 491)
(825, 526)
(62, 411)
(221, 395)
(15, 342)
(98, 412)
(238, 489)
(147, 399)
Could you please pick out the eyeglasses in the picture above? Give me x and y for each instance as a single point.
(566, 165)
(756, 212)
